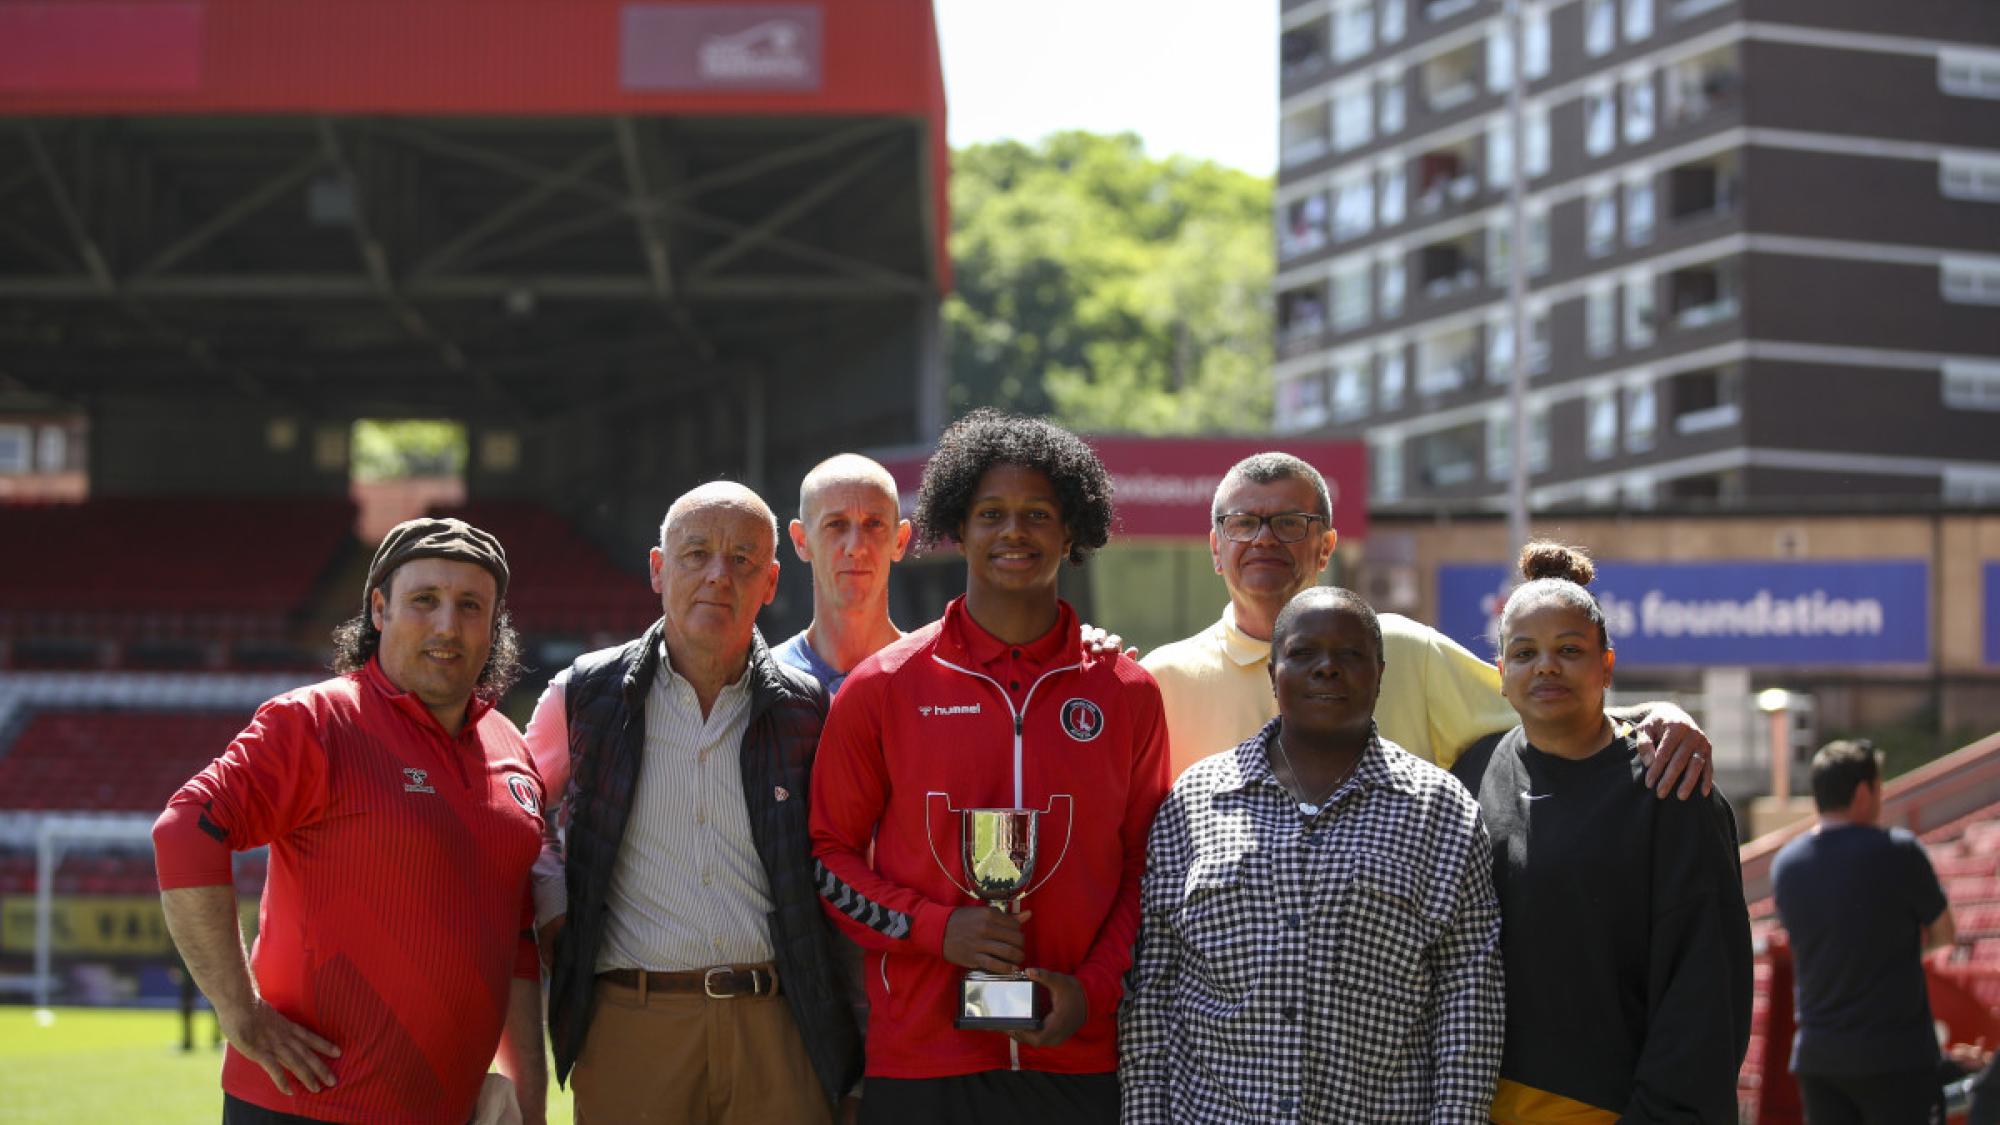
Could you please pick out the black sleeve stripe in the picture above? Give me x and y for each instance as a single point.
(855, 905)
(220, 833)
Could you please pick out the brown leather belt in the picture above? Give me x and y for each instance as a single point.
(723, 982)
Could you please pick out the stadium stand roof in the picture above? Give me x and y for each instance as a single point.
(475, 207)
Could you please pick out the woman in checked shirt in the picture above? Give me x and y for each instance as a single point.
(1320, 936)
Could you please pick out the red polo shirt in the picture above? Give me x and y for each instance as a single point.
(396, 909)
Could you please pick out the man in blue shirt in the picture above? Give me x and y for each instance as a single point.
(1862, 905)
(848, 532)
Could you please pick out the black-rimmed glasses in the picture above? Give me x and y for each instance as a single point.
(1244, 527)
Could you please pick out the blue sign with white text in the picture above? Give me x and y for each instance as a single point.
(1745, 613)
(1992, 622)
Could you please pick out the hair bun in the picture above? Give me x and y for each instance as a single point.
(1545, 559)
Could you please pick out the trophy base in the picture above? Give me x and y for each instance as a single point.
(1000, 1002)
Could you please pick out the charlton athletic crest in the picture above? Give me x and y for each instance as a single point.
(524, 793)
(1082, 720)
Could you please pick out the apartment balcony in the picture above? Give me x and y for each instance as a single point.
(1702, 87)
(1454, 265)
(1448, 178)
(1452, 79)
(1702, 295)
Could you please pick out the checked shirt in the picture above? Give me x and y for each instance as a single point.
(1338, 968)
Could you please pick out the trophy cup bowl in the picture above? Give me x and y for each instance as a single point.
(999, 853)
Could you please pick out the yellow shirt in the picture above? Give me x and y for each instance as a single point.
(1437, 697)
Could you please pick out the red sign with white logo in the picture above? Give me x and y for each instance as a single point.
(1163, 486)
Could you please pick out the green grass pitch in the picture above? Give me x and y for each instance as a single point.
(95, 1065)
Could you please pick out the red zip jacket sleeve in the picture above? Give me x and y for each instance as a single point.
(850, 790)
(1102, 972)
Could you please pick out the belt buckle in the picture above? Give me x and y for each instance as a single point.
(708, 983)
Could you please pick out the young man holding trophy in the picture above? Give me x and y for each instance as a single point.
(1006, 777)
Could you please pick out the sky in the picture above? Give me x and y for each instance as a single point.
(1193, 77)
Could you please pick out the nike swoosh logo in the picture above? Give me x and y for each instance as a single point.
(1527, 796)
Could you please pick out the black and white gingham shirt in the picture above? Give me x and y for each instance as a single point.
(1342, 968)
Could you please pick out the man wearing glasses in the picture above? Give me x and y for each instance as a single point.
(1271, 536)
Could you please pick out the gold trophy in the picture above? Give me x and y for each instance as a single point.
(999, 848)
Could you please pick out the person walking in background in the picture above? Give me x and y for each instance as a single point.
(403, 815)
(1861, 904)
(1624, 930)
(1320, 939)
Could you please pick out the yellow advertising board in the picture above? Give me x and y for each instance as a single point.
(101, 925)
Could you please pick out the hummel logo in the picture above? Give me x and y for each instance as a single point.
(956, 709)
(416, 781)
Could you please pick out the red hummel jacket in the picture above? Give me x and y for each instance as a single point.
(950, 718)
(397, 906)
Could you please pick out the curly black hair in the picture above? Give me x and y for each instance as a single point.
(357, 639)
(985, 438)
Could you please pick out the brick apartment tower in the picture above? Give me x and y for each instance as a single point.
(1764, 249)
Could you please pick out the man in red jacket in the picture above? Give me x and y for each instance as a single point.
(996, 705)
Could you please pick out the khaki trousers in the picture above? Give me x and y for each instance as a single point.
(676, 1057)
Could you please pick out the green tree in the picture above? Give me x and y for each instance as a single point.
(408, 448)
(1117, 292)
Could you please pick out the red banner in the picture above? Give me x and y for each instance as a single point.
(1163, 486)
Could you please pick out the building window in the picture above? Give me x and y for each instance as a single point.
(1385, 469)
(1639, 109)
(1971, 386)
(1969, 74)
(1393, 376)
(1536, 158)
(1302, 135)
(1702, 294)
(1970, 484)
(15, 451)
(1640, 205)
(1600, 411)
(1393, 284)
(1393, 20)
(1972, 281)
(1301, 318)
(1966, 175)
(52, 449)
(1392, 105)
(1499, 235)
(1642, 417)
(1352, 113)
(1354, 207)
(1395, 187)
(1301, 402)
(1639, 491)
(1535, 46)
(1499, 445)
(1304, 228)
(1350, 387)
(1600, 120)
(1638, 20)
(1302, 49)
(1639, 310)
(1350, 296)
(1500, 56)
(1600, 221)
(1500, 347)
(1447, 361)
(1353, 30)
(1499, 153)
(1600, 317)
(1600, 30)
(1701, 85)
